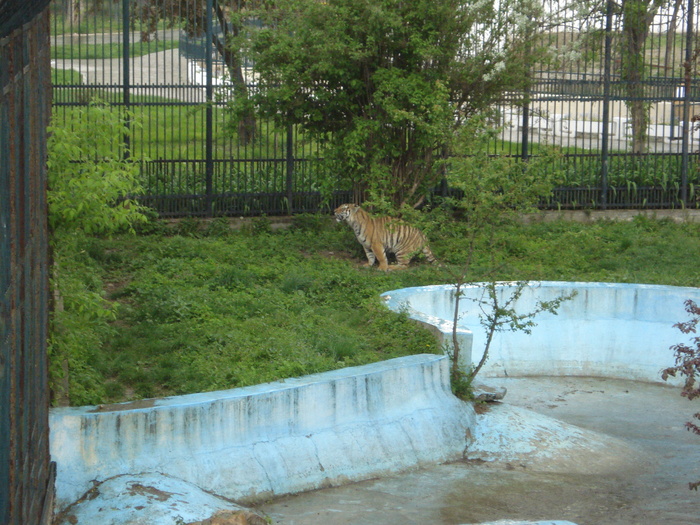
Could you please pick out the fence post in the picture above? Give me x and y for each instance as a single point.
(290, 168)
(525, 136)
(209, 149)
(126, 74)
(604, 154)
(685, 151)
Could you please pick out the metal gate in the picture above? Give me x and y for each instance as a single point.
(26, 473)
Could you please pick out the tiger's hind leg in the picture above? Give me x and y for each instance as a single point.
(402, 260)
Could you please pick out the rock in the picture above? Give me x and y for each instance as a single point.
(512, 436)
(233, 517)
(153, 499)
(483, 392)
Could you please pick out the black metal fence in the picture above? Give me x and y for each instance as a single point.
(170, 76)
(26, 473)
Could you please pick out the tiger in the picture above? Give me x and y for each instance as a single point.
(382, 236)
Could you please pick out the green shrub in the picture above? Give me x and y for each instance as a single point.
(89, 193)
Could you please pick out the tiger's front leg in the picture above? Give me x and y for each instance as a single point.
(370, 256)
(378, 253)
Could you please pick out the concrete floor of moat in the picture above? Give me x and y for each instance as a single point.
(609, 487)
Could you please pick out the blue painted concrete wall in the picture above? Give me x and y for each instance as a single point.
(271, 439)
(609, 330)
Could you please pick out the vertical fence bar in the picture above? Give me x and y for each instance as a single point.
(604, 155)
(290, 169)
(209, 153)
(525, 136)
(685, 151)
(126, 74)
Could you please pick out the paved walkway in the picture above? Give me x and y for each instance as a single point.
(162, 74)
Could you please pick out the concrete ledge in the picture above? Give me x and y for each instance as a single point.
(612, 330)
(278, 438)
(591, 216)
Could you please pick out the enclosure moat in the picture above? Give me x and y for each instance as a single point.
(649, 488)
(587, 433)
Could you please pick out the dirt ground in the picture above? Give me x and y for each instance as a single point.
(650, 489)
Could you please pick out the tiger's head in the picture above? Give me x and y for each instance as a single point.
(344, 211)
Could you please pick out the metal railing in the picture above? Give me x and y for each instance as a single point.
(173, 82)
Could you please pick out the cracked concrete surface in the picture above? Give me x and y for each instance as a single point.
(647, 488)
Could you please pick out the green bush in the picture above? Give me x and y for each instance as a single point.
(89, 193)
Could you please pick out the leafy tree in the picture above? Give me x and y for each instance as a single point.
(192, 14)
(382, 84)
(633, 20)
(91, 187)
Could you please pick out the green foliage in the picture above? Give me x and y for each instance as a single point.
(379, 83)
(80, 322)
(626, 171)
(462, 384)
(90, 184)
(491, 193)
(496, 190)
(89, 193)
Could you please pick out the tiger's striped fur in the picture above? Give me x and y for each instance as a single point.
(384, 235)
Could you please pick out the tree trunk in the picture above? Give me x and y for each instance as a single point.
(246, 127)
(637, 16)
(635, 32)
(670, 37)
(640, 122)
(73, 14)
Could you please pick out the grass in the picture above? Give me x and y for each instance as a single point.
(238, 309)
(207, 309)
(110, 50)
(105, 20)
(65, 77)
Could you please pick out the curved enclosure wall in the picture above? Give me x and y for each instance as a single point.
(607, 329)
(277, 438)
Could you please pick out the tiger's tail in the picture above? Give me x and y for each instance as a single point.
(429, 255)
